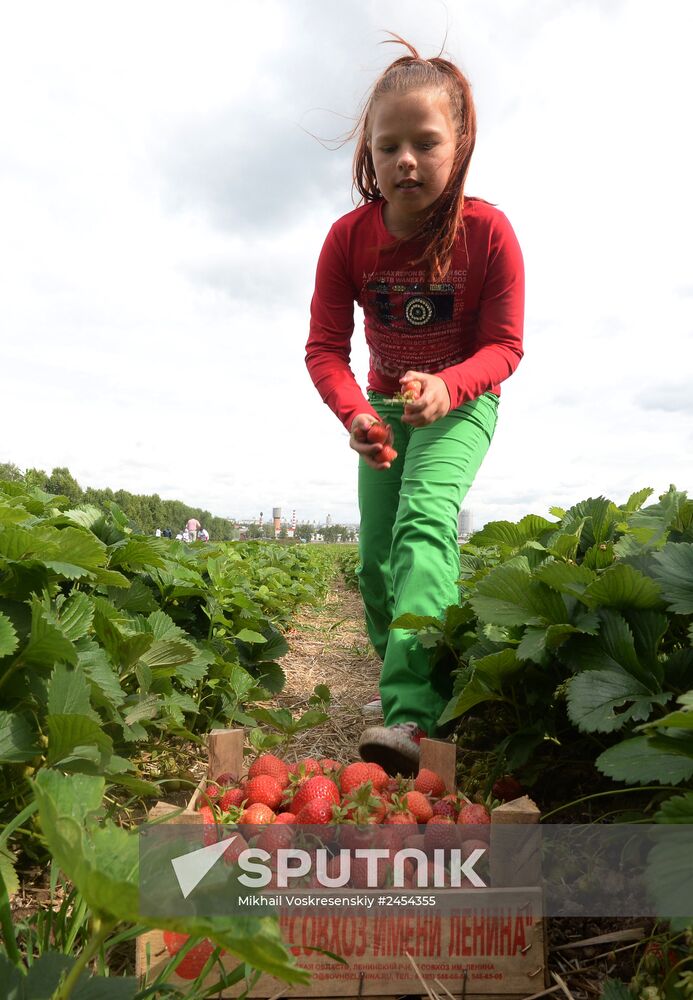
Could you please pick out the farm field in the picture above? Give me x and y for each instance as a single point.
(572, 655)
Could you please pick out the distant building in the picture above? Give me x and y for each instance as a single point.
(465, 524)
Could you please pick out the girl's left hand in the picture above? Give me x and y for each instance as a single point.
(432, 404)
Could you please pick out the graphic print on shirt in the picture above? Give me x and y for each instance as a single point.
(415, 324)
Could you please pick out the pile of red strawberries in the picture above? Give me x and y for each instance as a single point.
(319, 792)
(276, 799)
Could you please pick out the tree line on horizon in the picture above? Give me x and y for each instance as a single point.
(147, 512)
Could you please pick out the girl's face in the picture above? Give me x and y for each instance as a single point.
(412, 143)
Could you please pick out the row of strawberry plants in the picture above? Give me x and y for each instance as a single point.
(580, 625)
(110, 640)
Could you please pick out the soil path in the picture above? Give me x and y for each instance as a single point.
(329, 645)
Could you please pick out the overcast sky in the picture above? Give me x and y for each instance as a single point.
(163, 200)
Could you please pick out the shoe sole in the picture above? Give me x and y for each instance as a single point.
(393, 760)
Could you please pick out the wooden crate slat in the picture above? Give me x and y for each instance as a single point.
(441, 757)
(515, 843)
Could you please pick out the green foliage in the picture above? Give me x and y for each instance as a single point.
(347, 562)
(282, 724)
(109, 638)
(101, 861)
(586, 620)
(110, 641)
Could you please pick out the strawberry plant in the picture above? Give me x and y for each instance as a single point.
(108, 639)
(579, 625)
(111, 643)
(101, 861)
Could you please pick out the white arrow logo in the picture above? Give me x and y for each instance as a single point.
(191, 868)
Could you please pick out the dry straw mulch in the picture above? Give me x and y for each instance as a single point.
(329, 645)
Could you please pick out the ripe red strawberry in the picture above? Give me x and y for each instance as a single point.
(358, 873)
(330, 767)
(264, 789)
(444, 807)
(353, 776)
(364, 806)
(386, 454)
(418, 804)
(225, 779)
(256, 815)
(209, 834)
(353, 836)
(467, 846)
(231, 799)
(192, 964)
(285, 817)
(472, 813)
(396, 786)
(400, 817)
(302, 770)
(507, 788)
(416, 842)
(429, 783)
(316, 812)
(234, 850)
(411, 389)
(211, 791)
(441, 831)
(379, 433)
(391, 836)
(267, 763)
(305, 766)
(379, 810)
(655, 960)
(275, 836)
(318, 787)
(378, 776)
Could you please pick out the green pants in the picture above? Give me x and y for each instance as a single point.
(409, 553)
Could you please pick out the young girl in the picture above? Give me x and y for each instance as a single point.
(440, 279)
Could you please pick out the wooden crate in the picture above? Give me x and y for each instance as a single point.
(494, 946)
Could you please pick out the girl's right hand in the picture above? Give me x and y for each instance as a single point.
(360, 444)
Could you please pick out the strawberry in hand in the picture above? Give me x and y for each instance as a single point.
(379, 433)
(412, 389)
(372, 440)
(425, 397)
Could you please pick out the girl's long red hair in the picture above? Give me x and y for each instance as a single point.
(440, 228)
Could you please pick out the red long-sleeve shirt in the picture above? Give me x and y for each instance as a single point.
(467, 329)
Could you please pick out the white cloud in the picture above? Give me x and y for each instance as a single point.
(163, 205)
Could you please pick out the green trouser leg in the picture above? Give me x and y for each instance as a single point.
(409, 553)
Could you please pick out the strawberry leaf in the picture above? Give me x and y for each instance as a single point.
(603, 701)
(638, 761)
(674, 571)
(17, 739)
(8, 636)
(623, 586)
